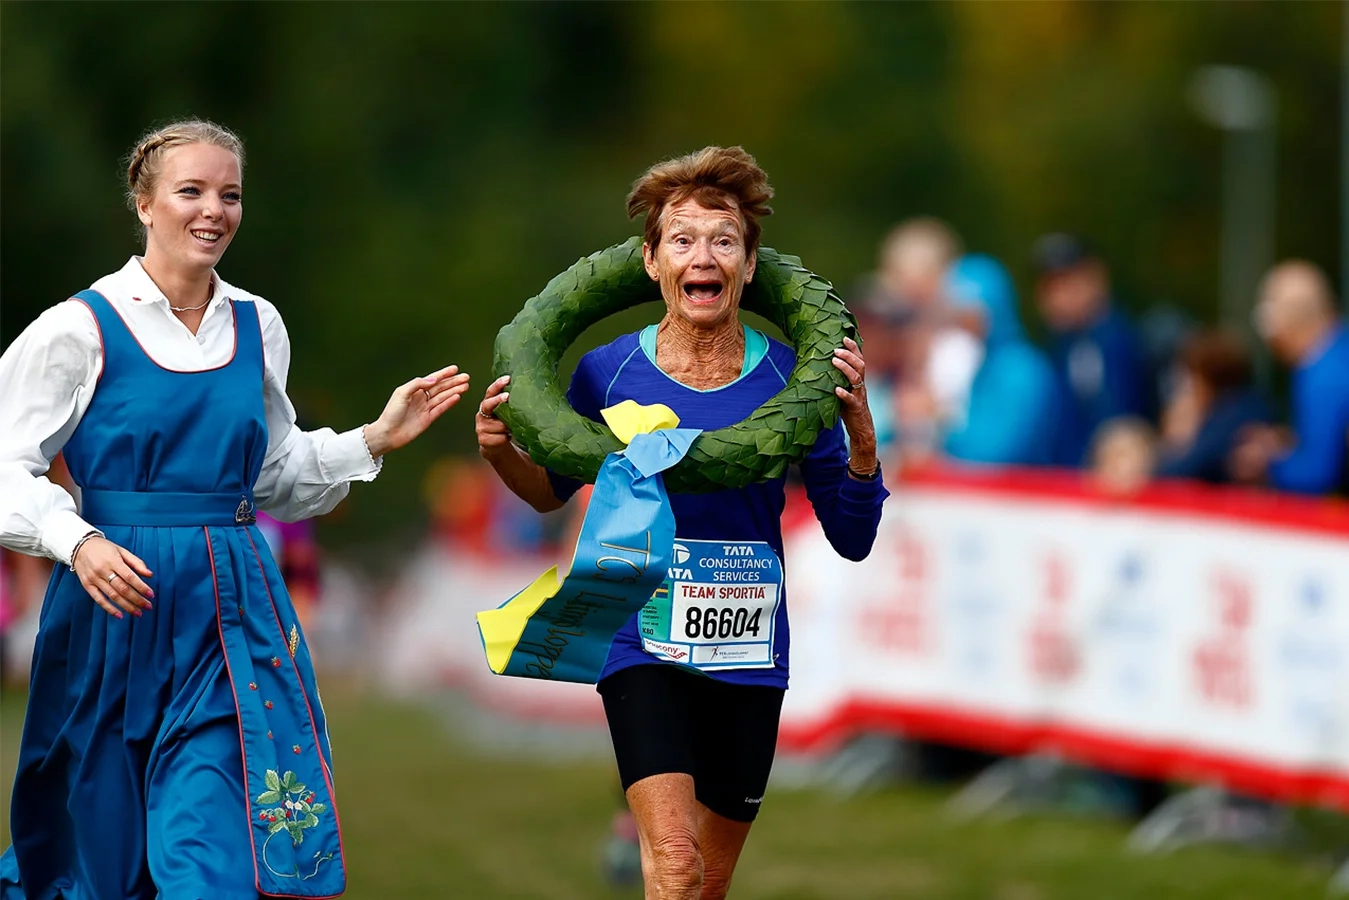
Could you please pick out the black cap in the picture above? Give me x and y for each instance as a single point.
(1059, 252)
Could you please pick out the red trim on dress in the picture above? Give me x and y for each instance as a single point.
(243, 751)
(248, 812)
(262, 345)
(313, 727)
(233, 351)
(102, 347)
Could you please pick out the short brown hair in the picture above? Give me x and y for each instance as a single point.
(1219, 359)
(717, 177)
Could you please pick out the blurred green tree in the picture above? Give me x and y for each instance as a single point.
(417, 170)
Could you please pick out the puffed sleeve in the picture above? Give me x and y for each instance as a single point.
(305, 473)
(47, 379)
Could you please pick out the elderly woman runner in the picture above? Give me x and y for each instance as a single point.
(175, 746)
(694, 750)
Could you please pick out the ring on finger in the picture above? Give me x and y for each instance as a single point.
(111, 576)
(857, 384)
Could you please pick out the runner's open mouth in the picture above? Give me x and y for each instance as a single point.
(702, 291)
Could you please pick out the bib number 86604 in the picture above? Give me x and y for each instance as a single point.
(711, 622)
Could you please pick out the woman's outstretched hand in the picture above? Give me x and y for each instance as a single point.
(412, 409)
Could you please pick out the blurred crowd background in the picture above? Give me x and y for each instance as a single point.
(1103, 239)
(417, 170)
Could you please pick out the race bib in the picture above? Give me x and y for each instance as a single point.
(717, 608)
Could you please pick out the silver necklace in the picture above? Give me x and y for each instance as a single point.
(191, 308)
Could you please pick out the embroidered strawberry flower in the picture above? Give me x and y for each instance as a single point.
(290, 810)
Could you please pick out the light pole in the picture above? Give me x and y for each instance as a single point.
(1242, 103)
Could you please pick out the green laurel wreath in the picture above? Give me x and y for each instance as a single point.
(777, 434)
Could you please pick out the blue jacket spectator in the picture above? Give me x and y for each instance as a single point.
(1012, 410)
(1296, 316)
(1316, 465)
(1211, 407)
(1094, 349)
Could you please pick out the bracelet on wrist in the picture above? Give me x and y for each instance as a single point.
(80, 543)
(865, 476)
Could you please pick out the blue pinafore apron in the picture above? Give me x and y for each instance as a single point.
(182, 754)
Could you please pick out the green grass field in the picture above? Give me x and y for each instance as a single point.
(425, 817)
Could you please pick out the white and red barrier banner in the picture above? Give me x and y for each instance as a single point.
(1188, 633)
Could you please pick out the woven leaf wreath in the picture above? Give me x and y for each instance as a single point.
(777, 434)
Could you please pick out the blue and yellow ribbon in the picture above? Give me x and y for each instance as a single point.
(562, 632)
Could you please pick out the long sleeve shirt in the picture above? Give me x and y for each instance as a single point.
(849, 510)
(48, 377)
(1321, 421)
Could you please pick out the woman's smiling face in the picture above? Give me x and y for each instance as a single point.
(701, 264)
(196, 206)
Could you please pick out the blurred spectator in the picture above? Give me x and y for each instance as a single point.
(1012, 408)
(921, 367)
(1093, 347)
(8, 609)
(474, 511)
(461, 500)
(914, 258)
(296, 551)
(1123, 453)
(1211, 405)
(1296, 316)
(1163, 331)
(23, 584)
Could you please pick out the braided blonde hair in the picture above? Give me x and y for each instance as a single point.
(143, 164)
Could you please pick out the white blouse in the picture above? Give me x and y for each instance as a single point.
(48, 376)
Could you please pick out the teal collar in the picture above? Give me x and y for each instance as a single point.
(756, 348)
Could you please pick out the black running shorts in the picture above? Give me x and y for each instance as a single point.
(665, 718)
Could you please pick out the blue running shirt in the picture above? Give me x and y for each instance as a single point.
(848, 509)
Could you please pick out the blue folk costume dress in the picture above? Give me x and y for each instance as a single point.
(182, 754)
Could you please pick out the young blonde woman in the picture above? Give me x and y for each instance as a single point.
(174, 746)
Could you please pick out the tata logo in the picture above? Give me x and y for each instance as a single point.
(737, 549)
(681, 554)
